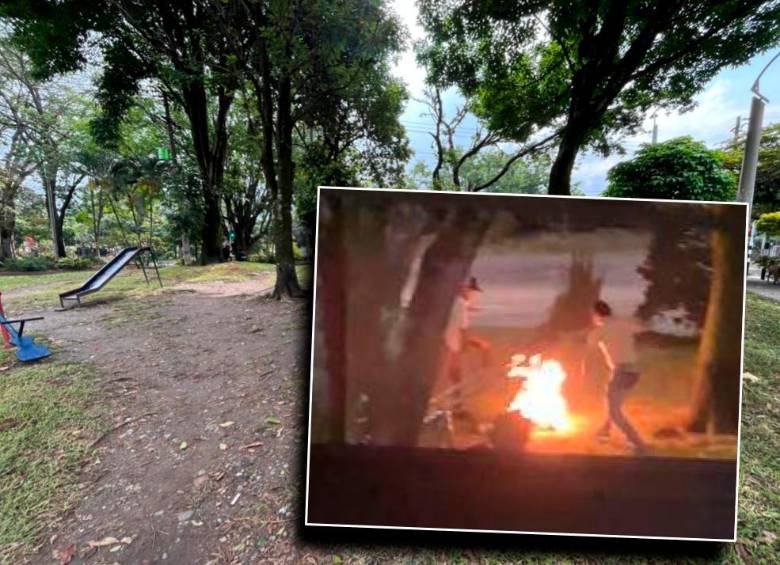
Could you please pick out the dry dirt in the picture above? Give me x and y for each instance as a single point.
(203, 386)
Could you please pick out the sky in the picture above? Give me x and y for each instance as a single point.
(712, 120)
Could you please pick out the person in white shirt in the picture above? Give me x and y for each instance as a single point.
(456, 338)
(614, 337)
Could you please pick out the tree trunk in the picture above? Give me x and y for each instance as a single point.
(210, 155)
(716, 394)
(211, 230)
(393, 354)
(60, 238)
(560, 172)
(7, 221)
(286, 277)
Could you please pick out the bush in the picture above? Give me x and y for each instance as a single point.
(75, 263)
(41, 263)
(263, 256)
(678, 169)
(45, 263)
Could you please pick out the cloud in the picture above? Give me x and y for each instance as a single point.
(406, 67)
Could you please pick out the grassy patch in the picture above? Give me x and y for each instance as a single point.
(46, 425)
(759, 494)
(42, 291)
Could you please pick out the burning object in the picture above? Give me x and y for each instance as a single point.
(540, 399)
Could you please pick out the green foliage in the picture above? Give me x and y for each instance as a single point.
(679, 169)
(769, 223)
(525, 176)
(766, 194)
(29, 264)
(75, 263)
(597, 67)
(46, 263)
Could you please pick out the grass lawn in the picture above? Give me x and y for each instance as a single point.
(48, 419)
(40, 291)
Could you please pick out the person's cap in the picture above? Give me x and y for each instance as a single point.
(472, 284)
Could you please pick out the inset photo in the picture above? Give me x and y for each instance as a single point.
(527, 364)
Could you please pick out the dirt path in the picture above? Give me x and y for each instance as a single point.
(203, 388)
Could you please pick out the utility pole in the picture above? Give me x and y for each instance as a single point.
(736, 130)
(747, 175)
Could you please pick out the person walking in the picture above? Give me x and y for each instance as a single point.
(456, 339)
(615, 338)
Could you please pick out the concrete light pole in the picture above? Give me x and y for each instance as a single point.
(747, 175)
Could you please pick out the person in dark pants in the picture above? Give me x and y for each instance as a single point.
(615, 339)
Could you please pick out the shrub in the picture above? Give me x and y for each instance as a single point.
(74, 263)
(40, 263)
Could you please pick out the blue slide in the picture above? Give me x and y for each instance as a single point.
(105, 274)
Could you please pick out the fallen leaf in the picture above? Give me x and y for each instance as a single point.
(768, 537)
(273, 420)
(199, 481)
(217, 476)
(337, 560)
(226, 424)
(223, 446)
(750, 377)
(127, 540)
(253, 445)
(110, 540)
(183, 445)
(66, 555)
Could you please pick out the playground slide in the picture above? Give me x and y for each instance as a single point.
(105, 274)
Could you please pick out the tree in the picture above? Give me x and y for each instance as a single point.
(525, 176)
(483, 164)
(17, 166)
(679, 169)
(593, 67)
(43, 118)
(769, 223)
(172, 43)
(353, 138)
(766, 195)
(245, 200)
(715, 405)
(301, 60)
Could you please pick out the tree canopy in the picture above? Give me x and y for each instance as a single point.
(587, 69)
(678, 169)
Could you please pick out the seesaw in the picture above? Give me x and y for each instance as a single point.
(26, 348)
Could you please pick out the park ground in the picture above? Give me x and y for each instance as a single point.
(169, 427)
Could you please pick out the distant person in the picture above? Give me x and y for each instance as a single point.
(226, 251)
(615, 339)
(456, 339)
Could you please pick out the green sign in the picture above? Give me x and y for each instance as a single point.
(232, 235)
(164, 154)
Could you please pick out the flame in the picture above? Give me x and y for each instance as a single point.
(540, 399)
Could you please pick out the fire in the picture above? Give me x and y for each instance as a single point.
(540, 399)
